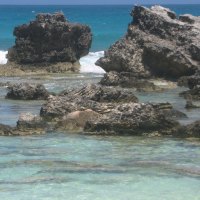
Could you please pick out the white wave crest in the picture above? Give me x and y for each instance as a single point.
(3, 59)
(88, 63)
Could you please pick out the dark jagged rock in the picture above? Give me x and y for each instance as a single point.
(191, 105)
(50, 40)
(6, 130)
(99, 93)
(191, 130)
(193, 94)
(134, 119)
(193, 82)
(26, 91)
(126, 80)
(92, 96)
(157, 44)
(115, 111)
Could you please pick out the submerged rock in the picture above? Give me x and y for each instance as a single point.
(50, 41)
(157, 44)
(26, 91)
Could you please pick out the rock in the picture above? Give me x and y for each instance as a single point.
(191, 130)
(5, 84)
(49, 40)
(76, 120)
(169, 112)
(99, 93)
(115, 111)
(26, 91)
(6, 130)
(91, 96)
(31, 123)
(191, 105)
(193, 82)
(193, 94)
(133, 119)
(126, 80)
(157, 44)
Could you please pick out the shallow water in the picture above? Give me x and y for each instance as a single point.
(60, 166)
(11, 109)
(75, 166)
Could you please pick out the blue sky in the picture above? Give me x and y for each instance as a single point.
(91, 2)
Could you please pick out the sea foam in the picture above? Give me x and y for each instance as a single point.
(3, 59)
(87, 62)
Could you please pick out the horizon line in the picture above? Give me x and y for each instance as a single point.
(98, 4)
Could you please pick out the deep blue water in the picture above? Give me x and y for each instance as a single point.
(108, 23)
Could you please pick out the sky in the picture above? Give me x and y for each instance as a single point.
(94, 2)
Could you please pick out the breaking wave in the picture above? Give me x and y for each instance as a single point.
(3, 59)
(87, 62)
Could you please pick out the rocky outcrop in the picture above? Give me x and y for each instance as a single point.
(50, 41)
(126, 80)
(157, 44)
(94, 97)
(134, 119)
(6, 130)
(97, 109)
(193, 82)
(28, 122)
(191, 130)
(26, 91)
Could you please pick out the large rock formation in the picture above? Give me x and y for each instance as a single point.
(98, 109)
(50, 39)
(157, 44)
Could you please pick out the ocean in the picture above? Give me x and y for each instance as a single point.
(64, 165)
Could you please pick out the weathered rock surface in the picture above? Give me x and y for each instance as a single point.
(193, 82)
(6, 130)
(77, 120)
(26, 91)
(94, 97)
(28, 122)
(111, 110)
(52, 41)
(134, 119)
(126, 80)
(157, 44)
(191, 130)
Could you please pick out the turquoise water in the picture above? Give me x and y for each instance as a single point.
(60, 166)
(68, 166)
